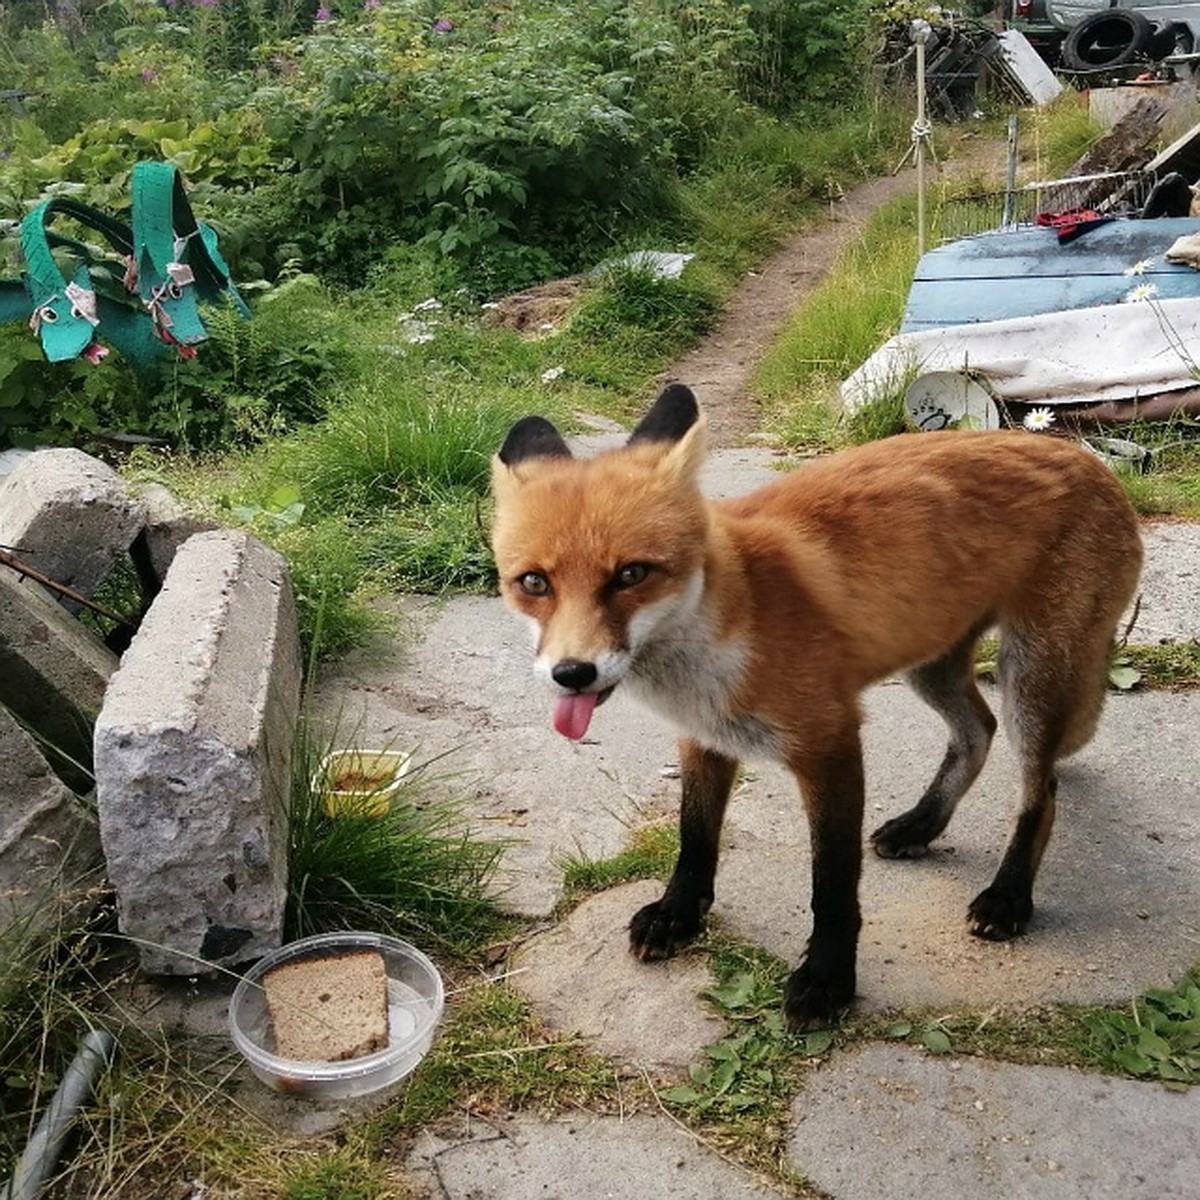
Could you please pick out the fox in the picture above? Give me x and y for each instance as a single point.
(754, 624)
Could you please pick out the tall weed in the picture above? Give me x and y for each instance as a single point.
(838, 326)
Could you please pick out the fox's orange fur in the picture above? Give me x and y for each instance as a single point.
(754, 624)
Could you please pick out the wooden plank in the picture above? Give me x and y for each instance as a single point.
(943, 303)
(1027, 271)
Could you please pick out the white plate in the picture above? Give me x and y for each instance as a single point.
(950, 400)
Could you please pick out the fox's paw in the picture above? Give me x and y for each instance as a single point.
(812, 1002)
(998, 914)
(905, 836)
(662, 928)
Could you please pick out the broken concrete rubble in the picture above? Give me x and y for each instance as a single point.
(192, 757)
(168, 525)
(53, 673)
(69, 516)
(47, 840)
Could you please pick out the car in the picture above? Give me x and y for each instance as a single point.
(1033, 20)
(1102, 35)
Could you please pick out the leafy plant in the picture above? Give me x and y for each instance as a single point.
(1159, 1037)
(749, 1073)
(932, 1035)
(1122, 674)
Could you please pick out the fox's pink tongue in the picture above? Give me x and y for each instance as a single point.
(573, 714)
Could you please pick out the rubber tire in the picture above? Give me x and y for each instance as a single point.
(1111, 38)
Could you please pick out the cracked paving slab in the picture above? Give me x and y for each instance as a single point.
(582, 1157)
(890, 1121)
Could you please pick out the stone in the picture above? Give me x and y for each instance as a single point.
(53, 672)
(891, 1121)
(580, 1157)
(168, 525)
(582, 979)
(48, 842)
(1166, 608)
(69, 516)
(192, 754)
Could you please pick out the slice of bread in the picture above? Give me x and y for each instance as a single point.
(329, 1009)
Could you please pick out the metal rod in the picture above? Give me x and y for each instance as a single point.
(919, 136)
(1010, 184)
(45, 1146)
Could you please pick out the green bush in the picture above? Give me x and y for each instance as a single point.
(250, 379)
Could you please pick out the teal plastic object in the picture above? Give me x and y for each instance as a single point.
(68, 317)
(178, 262)
(64, 313)
(146, 303)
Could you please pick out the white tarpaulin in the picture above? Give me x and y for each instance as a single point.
(1082, 356)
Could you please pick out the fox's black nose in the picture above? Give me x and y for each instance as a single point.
(573, 673)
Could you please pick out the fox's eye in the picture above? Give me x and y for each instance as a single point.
(533, 583)
(630, 575)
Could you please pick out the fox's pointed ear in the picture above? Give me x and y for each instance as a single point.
(530, 440)
(532, 437)
(675, 422)
(670, 416)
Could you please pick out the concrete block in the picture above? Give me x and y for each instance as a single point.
(53, 673)
(167, 527)
(69, 516)
(48, 843)
(192, 757)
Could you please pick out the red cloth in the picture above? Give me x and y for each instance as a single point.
(1072, 223)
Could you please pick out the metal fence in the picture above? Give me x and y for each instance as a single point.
(1113, 194)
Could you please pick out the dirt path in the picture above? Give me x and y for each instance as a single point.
(719, 367)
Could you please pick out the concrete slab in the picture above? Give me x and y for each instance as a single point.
(53, 673)
(1170, 583)
(47, 841)
(192, 755)
(579, 1158)
(1118, 897)
(68, 515)
(581, 978)
(890, 1121)
(168, 525)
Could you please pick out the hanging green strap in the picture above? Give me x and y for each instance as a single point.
(178, 262)
(65, 314)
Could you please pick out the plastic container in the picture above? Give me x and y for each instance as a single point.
(360, 781)
(415, 1002)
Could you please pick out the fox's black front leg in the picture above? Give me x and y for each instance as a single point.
(661, 928)
(831, 783)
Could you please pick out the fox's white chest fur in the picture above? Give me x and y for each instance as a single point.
(688, 677)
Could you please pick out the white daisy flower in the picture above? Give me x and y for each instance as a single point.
(1143, 291)
(1140, 267)
(552, 374)
(1038, 419)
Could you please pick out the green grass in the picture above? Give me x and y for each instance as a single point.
(839, 324)
(651, 854)
(415, 871)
